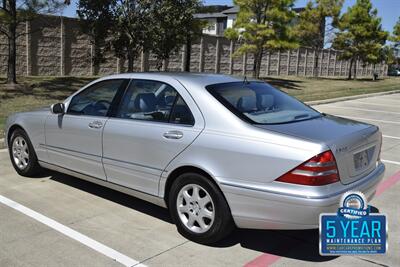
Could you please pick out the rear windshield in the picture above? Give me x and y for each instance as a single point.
(260, 103)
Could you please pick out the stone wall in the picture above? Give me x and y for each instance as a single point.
(55, 46)
(21, 53)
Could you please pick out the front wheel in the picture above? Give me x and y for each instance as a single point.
(199, 209)
(22, 154)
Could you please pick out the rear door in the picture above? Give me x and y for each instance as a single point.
(155, 122)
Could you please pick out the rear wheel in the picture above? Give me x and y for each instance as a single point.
(199, 209)
(22, 154)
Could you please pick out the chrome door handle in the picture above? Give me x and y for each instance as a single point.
(96, 125)
(173, 135)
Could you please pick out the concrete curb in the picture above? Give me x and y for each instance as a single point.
(338, 99)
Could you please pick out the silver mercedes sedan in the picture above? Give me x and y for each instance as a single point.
(217, 151)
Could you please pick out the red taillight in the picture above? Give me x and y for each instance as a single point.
(319, 170)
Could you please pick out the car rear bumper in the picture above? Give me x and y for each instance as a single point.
(261, 209)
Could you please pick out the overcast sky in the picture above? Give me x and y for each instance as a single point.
(388, 10)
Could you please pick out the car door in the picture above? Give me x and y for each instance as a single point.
(156, 121)
(74, 139)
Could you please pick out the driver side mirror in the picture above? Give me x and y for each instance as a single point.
(58, 108)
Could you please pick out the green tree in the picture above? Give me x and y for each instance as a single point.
(396, 34)
(174, 26)
(122, 26)
(95, 18)
(317, 23)
(129, 27)
(395, 38)
(263, 25)
(361, 36)
(12, 14)
(387, 55)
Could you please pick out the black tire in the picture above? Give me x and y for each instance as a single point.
(32, 168)
(222, 225)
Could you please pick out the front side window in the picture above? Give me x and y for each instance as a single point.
(154, 101)
(260, 103)
(95, 100)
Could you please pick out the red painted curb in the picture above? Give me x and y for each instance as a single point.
(388, 183)
(263, 260)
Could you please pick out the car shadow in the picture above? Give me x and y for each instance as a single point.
(114, 196)
(284, 83)
(295, 244)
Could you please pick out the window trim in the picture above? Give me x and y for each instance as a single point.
(118, 109)
(173, 109)
(115, 101)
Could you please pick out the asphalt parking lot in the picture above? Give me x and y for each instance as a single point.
(58, 220)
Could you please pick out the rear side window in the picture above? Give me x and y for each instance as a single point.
(181, 113)
(154, 101)
(260, 103)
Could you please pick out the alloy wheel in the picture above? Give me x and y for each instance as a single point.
(20, 152)
(195, 208)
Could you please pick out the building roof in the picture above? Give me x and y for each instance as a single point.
(235, 10)
(232, 10)
(209, 15)
(298, 9)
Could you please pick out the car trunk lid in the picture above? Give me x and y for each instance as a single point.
(354, 144)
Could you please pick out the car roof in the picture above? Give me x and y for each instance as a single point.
(200, 79)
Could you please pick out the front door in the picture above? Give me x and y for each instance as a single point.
(153, 125)
(74, 139)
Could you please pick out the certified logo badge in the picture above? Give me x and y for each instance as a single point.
(354, 205)
(352, 230)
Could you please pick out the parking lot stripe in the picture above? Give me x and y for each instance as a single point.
(391, 137)
(365, 119)
(87, 241)
(376, 104)
(267, 259)
(390, 161)
(364, 109)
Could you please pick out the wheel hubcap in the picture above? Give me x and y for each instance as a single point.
(195, 208)
(20, 152)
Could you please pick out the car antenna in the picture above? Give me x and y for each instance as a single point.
(245, 81)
